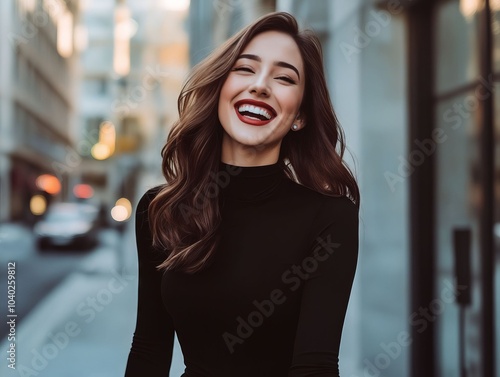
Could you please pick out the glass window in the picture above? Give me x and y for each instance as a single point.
(94, 86)
(98, 58)
(495, 29)
(458, 199)
(496, 227)
(456, 47)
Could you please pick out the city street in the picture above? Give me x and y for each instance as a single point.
(32, 281)
(78, 321)
(392, 104)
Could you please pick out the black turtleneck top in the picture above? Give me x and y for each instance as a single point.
(272, 302)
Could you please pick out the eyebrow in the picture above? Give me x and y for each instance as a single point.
(278, 63)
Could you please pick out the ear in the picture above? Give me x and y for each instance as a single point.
(300, 121)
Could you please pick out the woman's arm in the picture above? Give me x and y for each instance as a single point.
(152, 344)
(326, 292)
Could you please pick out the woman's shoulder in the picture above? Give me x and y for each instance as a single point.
(327, 203)
(147, 197)
(325, 210)
(151, 193)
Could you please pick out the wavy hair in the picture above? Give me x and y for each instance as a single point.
(184, 215)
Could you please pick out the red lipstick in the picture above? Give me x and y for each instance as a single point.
(253, 120)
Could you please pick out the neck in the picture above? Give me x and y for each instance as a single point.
(250, 183)
(237, 154)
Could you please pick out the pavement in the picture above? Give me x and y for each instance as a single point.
(84, 327)
(13, 234)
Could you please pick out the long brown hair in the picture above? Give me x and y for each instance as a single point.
(184, 215)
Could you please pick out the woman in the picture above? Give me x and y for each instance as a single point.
(248, 252)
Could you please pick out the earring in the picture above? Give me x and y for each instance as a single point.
(295, 127)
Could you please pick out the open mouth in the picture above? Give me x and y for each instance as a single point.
(255, 113)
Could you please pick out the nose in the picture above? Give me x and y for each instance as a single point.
(260, 87)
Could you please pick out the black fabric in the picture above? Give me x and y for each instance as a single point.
(272, 302)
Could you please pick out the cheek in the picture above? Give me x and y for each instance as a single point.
(229, 88)
(223, 93)
(290, 101)
(224, 98)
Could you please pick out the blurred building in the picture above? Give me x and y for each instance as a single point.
(105, 130)
(132, 67)
(413, 83)
(37, 102)
(212, 22)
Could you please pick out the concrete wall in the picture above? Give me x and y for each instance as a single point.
(369, 92)
(366, 70)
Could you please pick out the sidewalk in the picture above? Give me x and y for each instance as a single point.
(10, 231)
(14, 238)
(84, 327)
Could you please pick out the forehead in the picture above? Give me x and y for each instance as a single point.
(275, 46)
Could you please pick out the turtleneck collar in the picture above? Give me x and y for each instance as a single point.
(249, 183)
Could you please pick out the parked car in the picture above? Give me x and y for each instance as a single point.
(67, 225)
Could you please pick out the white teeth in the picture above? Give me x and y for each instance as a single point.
(255, 110)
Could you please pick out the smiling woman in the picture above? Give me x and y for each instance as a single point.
(248, 251)
(264, 88)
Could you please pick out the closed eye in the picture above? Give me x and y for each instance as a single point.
(287, 79)
(250, 70)
(245, 69)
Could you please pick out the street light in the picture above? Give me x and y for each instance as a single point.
(48, 183)
(176, 5)
(470, 7)
(65, 34)
(38, 205)
(121, 212)
(105, 147)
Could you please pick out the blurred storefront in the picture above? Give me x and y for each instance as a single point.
(414, 84)
(455, 110)
(37, 101)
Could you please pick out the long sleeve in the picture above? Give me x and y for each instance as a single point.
(152, 344)
(326, 291)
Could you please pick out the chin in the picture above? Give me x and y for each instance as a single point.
(249, 140)
(253, 139)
